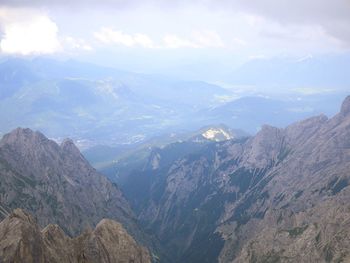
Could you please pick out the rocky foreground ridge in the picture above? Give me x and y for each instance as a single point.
(22, 240)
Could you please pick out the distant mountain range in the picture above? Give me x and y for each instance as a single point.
(250, 113)
(309, 73)
(96, 105)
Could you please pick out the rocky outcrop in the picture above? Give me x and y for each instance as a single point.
(21, 240)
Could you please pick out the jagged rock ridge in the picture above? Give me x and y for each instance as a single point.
(21, 240)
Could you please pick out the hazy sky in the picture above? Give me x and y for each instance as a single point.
(145, 34)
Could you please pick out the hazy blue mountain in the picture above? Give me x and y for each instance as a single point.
(96, 103)
(285, 73)
(103, 106)
(14, 75)
(250, 113)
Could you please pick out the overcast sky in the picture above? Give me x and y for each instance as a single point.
(142, 34)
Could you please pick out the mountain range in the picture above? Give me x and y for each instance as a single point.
(68, 98)
(97, 105)
(279, 196)
(311, 72)
(124, 158)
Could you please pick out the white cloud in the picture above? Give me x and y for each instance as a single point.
(208, 39)
(157, 17)
(173, 41)
(76, 43)
(110, 36)
(198, 39)
(144, 40)
(33, 34)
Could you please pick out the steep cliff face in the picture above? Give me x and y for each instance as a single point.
(307, 209)
(281, 195)
(57, 185)
(21, 240)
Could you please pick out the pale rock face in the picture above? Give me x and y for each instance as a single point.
(155, 160)
(21, 240)
(216, 134)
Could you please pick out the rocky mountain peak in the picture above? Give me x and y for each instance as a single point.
(264, 146)
(268, 128)
(345, 107)
(68, 146)
(53, 230)
(23, 136)
(267, 135)
(35, 170)
(22, 216)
